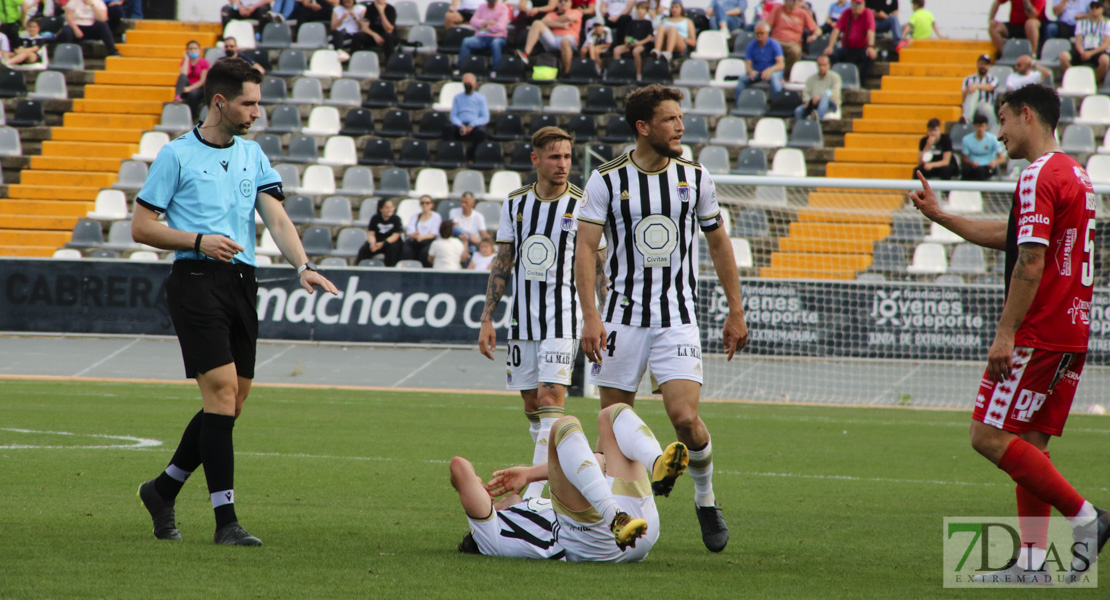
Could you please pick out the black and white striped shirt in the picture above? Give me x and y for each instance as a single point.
(542, 231)
(984, 96)
(1091, 33)
(650, 221)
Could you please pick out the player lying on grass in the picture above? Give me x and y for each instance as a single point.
(601, 506)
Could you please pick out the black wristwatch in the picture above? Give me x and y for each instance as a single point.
(309, 266)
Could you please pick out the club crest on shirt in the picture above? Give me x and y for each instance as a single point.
(246, 187)
(1081, 175)
(585, 199)
(683, 189)
(595, 369)
(508, 376)
(568, 222)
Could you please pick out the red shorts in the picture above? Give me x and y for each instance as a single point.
(1038, 395)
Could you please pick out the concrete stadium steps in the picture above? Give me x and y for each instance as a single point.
(77, 134)
(109, 121)
(134, 78)
(147, 93)
(907, 112)
(857, 200)
(40, 208)
(40, 222)
(177, 26)
(889, 126)
(894, 141)
(869, 170)
(877, 155)
(832, 238)
(891, 83)
(153, 65)
(900, 97)
(842, 215)
(43, 239)
(68, 163)
(51, 192)
(131, 107)
(804, 273)
(27, 251)
(924, 55)
(68, 178)
(137, 51)
(932, 70)
(162, 37)
(83, 149)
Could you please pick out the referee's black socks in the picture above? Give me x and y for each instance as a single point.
(217, 452)
(185, 460)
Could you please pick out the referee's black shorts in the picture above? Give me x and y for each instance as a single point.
(213, 307)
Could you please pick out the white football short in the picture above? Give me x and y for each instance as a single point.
(593, 541)
(524, 530)
(672, 352)
(530, 363)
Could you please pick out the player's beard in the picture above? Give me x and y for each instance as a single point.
(663, 148)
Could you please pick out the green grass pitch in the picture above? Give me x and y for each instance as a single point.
(349, 492)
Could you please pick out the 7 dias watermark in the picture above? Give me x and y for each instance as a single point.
(992, 552)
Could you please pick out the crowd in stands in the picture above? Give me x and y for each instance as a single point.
(27, 27)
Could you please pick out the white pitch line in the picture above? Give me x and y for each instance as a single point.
(106, 358)
(421, 368)
(138, 442)
(272, 358)
(855, 478)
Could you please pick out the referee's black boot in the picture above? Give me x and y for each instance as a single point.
(233, 534)
(161, 512)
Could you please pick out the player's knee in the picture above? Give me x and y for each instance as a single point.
(987, 440)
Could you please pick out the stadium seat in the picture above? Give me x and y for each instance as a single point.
(364, 64)
(1078, 139)
(67, 254)
(444, 207)
(394, 182)
(888, 257)
(597, 153)
(928, 258)
(50, 85)
(450, 155)
(311, 36)
(710, 102)
(727, 73)
(743, 37)
(565, 100)
(348, 242)
(86, 234)
(816, 48)
(752, 161)
(452, 39)
(302, 150)
(957, 134)
(291, 63)
(432, 124)
(275, 36)
(584, 128)
(497, 99)
(407, 209)
(599, 101)
(783, 104)
(521, 158)
(243, 32)
(144, 256)
(1067, 110)
(335, 212)
(731, 131)
(697, 129)
(1000, 72)
(491, 211)
(711, 45)
(332, 262)
(806, 134)
(176, 118)
(357, 181)
(301, 209)
(940, 235)
(582, 71)
(409, 264)
(357, 123)
(324, 63)
(1014, 169)
(103, 254)
(290, 177)
(283, 119)
(317, 181)
(408, 14)
(1098, 168)
(435, 13)
(742, 253)
(344, 92)
(432, 182)
(475, 65)
(1095, 110)
(418, 96)
(488, 156)
(715, 159)
(770, 132)
(271, 146)
(905, 229)
(969, 259)
(9, 142)
(260, 57)
(323, 121)
(620, 72)
(111, 205)
(149, 145)
(751, 223)
(849, 75)
(447, 95)
(527, 98)
(965, 202)
(307, 91)
(948, 279)
(1013, 49)
(67, 57)
(1078, 82)
(656, 70)
(274, 91)
(799, 73)
(770, 195)
(789, 162)
(511, 70)
(317, 241)
(468, 181)
(377, 152)
(119, 237)
(437, 67)
(132, 175)
(382, 94)
(501, 184)
(617, 131)
(413, 153)
(694, 73)
(1050, 52)
(399, 66)
(752, 103)
(396, 123)
(421, 39)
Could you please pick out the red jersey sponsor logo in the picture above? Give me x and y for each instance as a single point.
(1063, 252)
(1081, 310)
(1034, 220)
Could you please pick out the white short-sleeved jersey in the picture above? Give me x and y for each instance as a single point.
(650, 220)
(525, 530)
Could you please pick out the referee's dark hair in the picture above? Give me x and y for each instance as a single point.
(1041, 99)
(227, 77)
(640, 104)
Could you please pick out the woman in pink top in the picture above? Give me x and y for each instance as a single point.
(190, 84)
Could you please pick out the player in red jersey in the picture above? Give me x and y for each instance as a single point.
(1037, 356)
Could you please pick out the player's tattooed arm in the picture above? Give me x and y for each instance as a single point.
(601, 284)
(501, 269)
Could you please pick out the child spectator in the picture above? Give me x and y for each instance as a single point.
(447, 252)
(922, 25)
(484, 258)
(28, 51)
(598, 41)
(637, 35)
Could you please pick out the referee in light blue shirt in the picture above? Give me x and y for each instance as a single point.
(469, 116)
(208, 183)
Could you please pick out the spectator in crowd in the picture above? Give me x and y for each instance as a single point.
(617, 13)
(726, 15)
(482, 260)
(936, 157)
(763, 61)
(423, 229)
(247, 10)
(526, 14)
(36, 9)
(979, 90)
(983, 153)
(491, 21)
(637, 35)
(448, 252)
(1066, 12)
(27, 53)
(857, 26)
(383, 235)
(231, 50)
(346, 23)
(88, 20)
(821, 93)
(190, 83)
(922, 24)
(886, 17)
(588, 8)
(676, 33)
(470, 225)
(460, 11)
(6, 53)
(764, 8)
(789, 22)
(1092, 38)
(379, 26)
(1025, 21)
(558, 31)
(469, 116)
(309, 11)
(283, 10)
(1026, 72)
(835, 10)
(598, 41)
